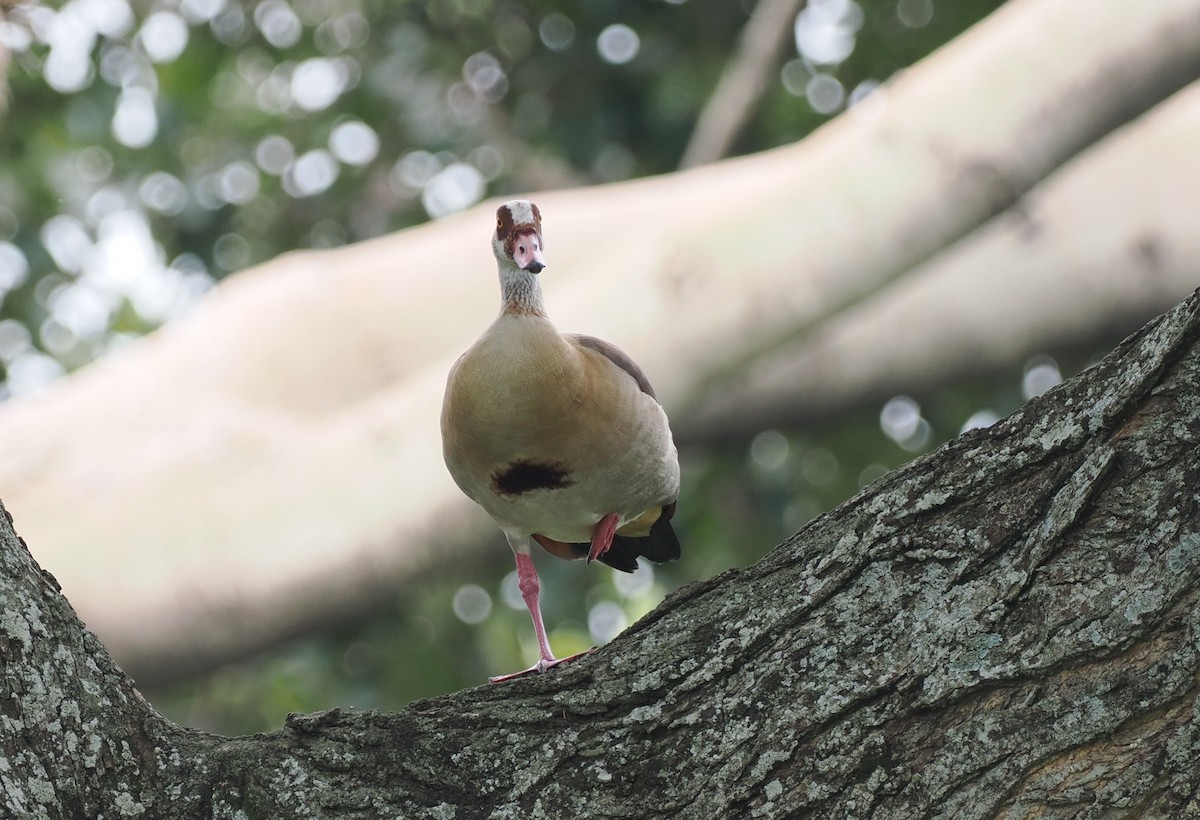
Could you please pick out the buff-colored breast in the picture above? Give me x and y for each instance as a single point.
(549, 436)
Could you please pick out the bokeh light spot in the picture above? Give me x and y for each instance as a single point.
(634, 584)
(14, 268)
(14, 339)
(317, 83)
(163, 193)
(826, 30)
(311, 173)
(201, 11)
(899, 417)
(231, 251)
(901, 421)
(94, 164)
(825, 93)
(465, 106)
(112, 18)
(556, 31)
(278, 23)
(914, 13)
(618, 44)
(163, 36)
(486, 78)
(68, 68)
(125, 248)
(472, 604)
(414, 170)
(354, 142)
(350, 30)
(455, 187)
(795, 75)
(67, 242)
(769, 450)
(605, 621)
(135, 123)
(230, 25)
(105, 202)
(1041, 373)
(980, 418)
(273, 154)
(238, 182)
(15, 38)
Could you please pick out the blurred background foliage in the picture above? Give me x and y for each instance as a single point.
(151, 148)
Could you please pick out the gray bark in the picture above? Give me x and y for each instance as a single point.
(1007, 627)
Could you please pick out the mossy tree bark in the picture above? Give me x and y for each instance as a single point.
(1009, 626)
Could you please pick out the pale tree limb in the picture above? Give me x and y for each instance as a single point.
(1008, 627)
(760, 49)
(1104, 242)
(272, 461)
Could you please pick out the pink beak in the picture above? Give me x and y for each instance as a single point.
(527, 251)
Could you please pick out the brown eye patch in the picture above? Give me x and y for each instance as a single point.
(504, 222)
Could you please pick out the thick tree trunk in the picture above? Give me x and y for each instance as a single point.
(1009, 626)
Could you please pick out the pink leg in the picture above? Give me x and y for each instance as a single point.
(531, 588)
(527, 581)
(602, 536)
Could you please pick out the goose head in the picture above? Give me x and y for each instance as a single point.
(518, 238)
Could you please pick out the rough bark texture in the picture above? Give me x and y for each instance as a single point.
(1007, 627)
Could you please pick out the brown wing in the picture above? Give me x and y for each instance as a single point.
(617, 356)
(660, 544)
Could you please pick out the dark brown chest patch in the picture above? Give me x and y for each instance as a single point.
(523, 476)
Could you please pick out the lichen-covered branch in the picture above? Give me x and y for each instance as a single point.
(1008, 627)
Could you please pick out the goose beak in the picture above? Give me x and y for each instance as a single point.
(527, 252)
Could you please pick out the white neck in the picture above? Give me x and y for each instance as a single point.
(520, 290)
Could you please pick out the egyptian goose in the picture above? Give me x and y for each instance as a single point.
(557, 436)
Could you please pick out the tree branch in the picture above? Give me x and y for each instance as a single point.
(1040, 278)
(733, 101)
(1008, 626)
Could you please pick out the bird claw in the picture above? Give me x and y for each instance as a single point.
(542, 665)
